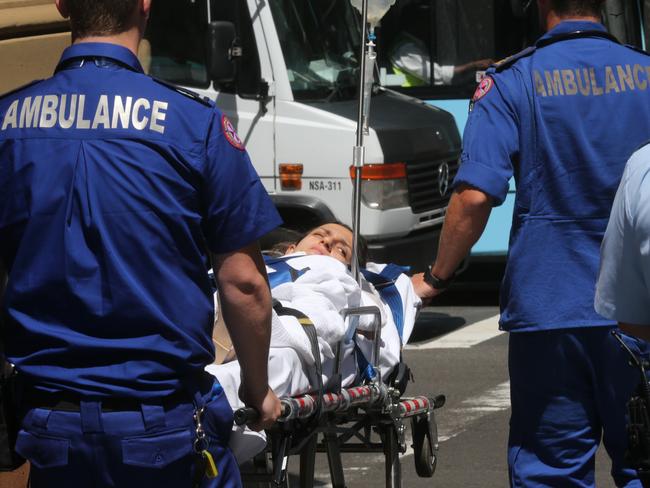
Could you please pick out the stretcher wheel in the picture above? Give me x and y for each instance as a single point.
(425, 458)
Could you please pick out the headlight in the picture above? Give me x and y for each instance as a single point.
(385, 194)
(384, 186)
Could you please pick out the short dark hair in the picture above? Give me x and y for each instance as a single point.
(100, 17)
(577, 7)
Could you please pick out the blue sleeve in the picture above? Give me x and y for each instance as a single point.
(238, 210)
(491, 139)
(622, 292)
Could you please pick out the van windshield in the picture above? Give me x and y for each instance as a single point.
(320, 43)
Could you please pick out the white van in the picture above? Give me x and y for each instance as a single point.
(288, 83)
(285, 72)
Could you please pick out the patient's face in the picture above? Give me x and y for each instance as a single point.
(328, 240)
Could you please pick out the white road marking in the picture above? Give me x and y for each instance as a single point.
(464, 338)
(457, 420)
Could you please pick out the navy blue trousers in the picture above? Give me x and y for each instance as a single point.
(147, 448)
(568, 391)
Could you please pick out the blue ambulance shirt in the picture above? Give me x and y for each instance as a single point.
(562, 118)
(113, 187)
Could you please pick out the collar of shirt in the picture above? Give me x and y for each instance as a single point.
(106, 50)
(573, 26)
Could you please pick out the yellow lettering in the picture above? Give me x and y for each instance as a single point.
(583, 84)
(554, 82)
(11, 117)
(29, 112)
(595, 89)
(610, 81)
(641, 85)
(625, 77)
(539, 84)
(570, 87)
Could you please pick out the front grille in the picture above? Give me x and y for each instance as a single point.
(424, 184)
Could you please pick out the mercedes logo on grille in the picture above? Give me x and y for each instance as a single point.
(443, 179)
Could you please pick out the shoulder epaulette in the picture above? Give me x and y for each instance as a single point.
(22, 87)
(510, 60)
(184, 91)
(637, 49)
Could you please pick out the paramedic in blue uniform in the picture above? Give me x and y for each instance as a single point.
(561, 117)
(115, 193)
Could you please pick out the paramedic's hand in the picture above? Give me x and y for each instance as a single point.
(267, 405)
(423, 289)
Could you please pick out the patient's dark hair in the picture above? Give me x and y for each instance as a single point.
(100, 17)
(362, 248)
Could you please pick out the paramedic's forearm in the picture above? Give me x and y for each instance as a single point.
(246, 307)
(640, 331)
(465, 221)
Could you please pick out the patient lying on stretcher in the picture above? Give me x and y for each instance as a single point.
(313, 279)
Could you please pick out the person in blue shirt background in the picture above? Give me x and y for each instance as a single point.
(562, 116)
(116, 191)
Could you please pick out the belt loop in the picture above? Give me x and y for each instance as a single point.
(153, 416)
(39, 417)
(91, 417)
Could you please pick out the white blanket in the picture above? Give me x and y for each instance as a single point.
(321, 293)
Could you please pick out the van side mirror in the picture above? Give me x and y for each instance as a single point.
(222, 51)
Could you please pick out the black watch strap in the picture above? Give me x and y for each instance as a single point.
(435, 282)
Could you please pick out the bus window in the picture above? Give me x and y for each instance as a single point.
(440, 48)
(623, 19)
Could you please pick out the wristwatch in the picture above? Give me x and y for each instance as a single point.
(436, 282)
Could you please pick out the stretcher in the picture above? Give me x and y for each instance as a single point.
(371, 417)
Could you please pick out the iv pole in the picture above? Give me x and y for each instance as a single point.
(359, 151)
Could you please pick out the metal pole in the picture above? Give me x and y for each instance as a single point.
(359, 153)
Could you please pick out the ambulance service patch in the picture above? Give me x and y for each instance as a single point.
(483, 88)
(231, 134)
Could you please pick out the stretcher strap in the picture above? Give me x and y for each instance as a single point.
(384, 283)
(310, 330)
(366, 370)
(283, 272)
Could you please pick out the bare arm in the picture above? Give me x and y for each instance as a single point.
(465, 221)
(640, 331)
(246, 307)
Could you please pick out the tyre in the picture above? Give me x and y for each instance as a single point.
(425, 459)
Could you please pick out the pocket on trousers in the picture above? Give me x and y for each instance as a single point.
(157, 450)
(218, 419)
(42, 451)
